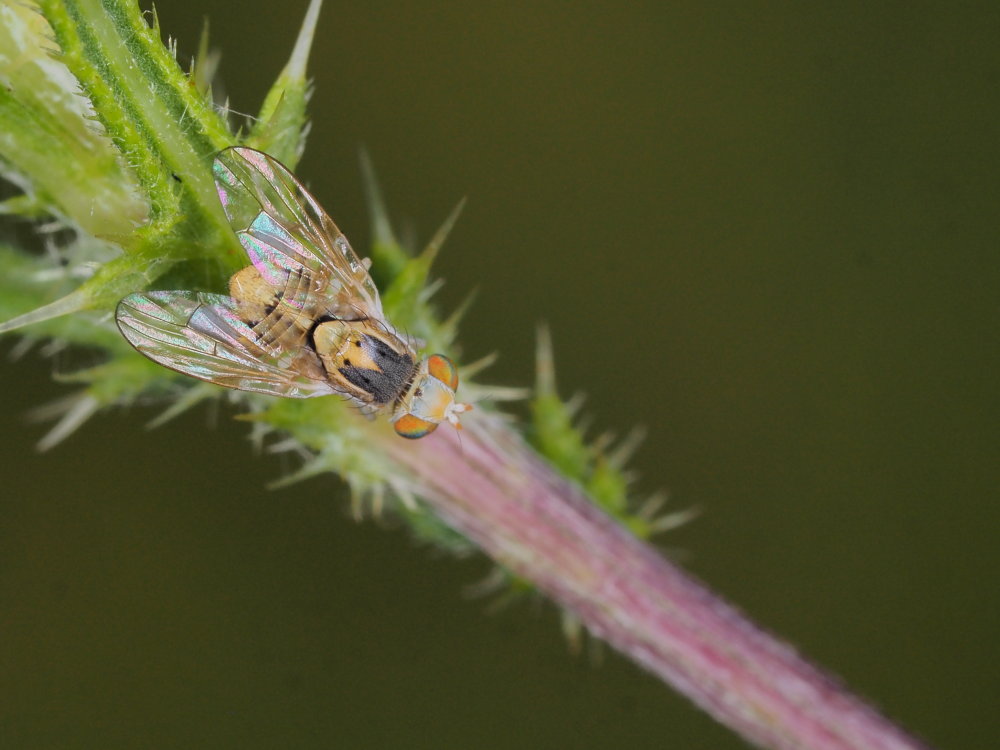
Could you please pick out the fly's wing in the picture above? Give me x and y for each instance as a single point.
(202, 335)
(285, 232)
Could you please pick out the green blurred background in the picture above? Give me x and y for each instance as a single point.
(765, 231)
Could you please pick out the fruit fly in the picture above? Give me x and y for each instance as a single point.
(303, 319)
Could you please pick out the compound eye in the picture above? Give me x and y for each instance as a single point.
(412, 427)
(442, 368)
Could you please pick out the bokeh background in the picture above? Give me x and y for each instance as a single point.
(765, 231)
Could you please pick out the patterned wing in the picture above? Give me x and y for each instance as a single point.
(202, 335)
(285, 231)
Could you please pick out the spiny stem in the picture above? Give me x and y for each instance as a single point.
(558, 517)
(492, 488)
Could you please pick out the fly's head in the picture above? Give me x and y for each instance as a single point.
(430, 400)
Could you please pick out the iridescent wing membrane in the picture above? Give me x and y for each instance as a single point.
(286, 233)
(203, 336)
(299, 253)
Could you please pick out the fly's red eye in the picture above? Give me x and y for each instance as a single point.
(412, 427)
(442, 368)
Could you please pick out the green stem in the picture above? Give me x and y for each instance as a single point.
(164, 128)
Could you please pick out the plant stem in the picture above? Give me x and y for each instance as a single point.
(492, 488)
(486, 484)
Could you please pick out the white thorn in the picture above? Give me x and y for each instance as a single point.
(72, 302)
(83, 408)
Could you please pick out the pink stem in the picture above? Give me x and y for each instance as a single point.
(496, 491)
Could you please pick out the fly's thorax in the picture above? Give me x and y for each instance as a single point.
(430, 399)
(365, 360)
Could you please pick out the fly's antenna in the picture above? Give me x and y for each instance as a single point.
(461, 440)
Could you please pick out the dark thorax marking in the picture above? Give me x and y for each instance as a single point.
(378, 369)
(361, 356)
